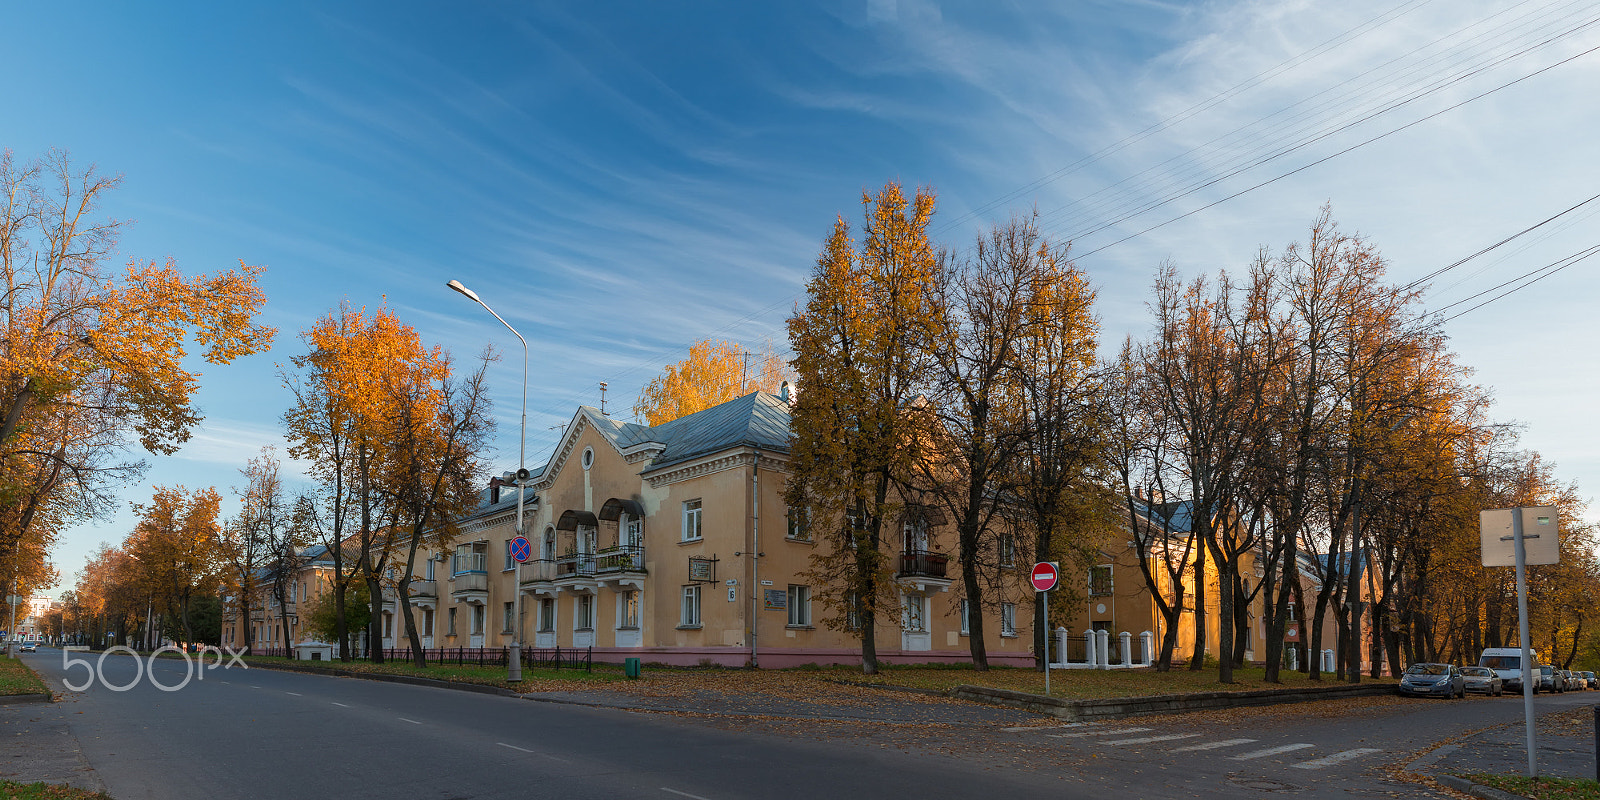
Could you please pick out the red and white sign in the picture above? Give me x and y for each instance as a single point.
(1044, 576)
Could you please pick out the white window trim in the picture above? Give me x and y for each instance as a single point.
(799, 606)
(690, 598)
(693, 520)
(1008, 619)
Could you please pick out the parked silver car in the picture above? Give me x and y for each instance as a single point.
(1551, 679)
(1433, 680)
(1483, 680)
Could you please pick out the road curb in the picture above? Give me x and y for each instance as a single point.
(1120, 707)
(1476, 789)
(9, 699)
(410, 680)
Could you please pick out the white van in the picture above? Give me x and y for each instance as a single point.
(1507, 663)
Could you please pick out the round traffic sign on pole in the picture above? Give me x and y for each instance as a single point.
(520, 549)
(1044, 576)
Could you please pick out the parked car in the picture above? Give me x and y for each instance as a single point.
(1576, 681)
(1589, 677)
(1483, 680)
(1433, 680)
(1507, 663)
(1551, 679)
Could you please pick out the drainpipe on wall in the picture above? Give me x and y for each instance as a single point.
(755, 552)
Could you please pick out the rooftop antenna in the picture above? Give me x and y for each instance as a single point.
(603, 399)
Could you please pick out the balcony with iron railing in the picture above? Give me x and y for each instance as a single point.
(575, 565)
(623, 558)
(923, 570)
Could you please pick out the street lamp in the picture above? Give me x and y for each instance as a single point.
(514, 661)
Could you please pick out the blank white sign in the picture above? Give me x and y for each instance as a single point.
(1540, 543)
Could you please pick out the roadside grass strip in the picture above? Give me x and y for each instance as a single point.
(1213, 745)
(1271, 751)
(17, 678)
(1336, 758)
(11, 790)
(1540, 788)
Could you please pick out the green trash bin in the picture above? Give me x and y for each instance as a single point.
(630, 667)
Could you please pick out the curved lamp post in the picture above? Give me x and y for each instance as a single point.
(514, 661)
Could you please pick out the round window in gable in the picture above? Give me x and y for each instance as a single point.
(588, 457)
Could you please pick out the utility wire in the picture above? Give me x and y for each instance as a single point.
(1332, 156)
(1547, 270)
(1446, 268)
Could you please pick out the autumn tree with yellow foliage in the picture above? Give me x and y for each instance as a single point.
(714, 373)
(91, 354)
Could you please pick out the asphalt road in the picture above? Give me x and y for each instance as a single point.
(246, 733)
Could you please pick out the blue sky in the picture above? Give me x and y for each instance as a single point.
(621, 181)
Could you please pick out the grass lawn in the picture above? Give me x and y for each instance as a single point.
(532, 679)
(10, 790)
(16, 678)
(1542, 788)
(1081, 684)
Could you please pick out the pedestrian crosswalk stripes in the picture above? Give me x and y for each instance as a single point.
(1099, 733)
(1212, 745)
(1149, 739)
(1336, 758)
(1106, 732)
(1271, 751)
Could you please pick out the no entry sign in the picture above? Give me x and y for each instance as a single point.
(1044, 576)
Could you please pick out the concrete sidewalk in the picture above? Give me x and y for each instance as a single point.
(1566, 749)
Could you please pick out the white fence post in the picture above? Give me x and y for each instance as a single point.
(1147, 646)
(1061, 645)
(1127, 648)
(1103, 650)
(1088, 648)
(1327, 661)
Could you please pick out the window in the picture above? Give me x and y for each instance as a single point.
(1008, 619)
(587, 538)
(471, 558)
(388, 625)
(799, 528)
(479, 615)
(628, 609)
(511, 561)
(547, 615)
(428, 569)
(584, 620)
(632, 532)
(547, 548)
(966, 619)
(427, 622)
(916, 614)
(1100, 580)
(1290, 613)
(691, 522)
(588, 457)
(690, 616)
(799, 605)
(852, 614)
(452, 621)
(1008, 550)
(510, 616)
(916, 536)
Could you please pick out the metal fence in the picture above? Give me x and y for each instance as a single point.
(532, 657)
